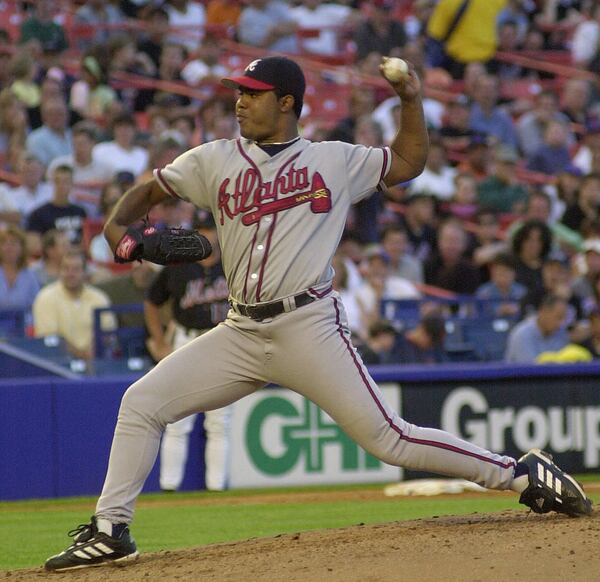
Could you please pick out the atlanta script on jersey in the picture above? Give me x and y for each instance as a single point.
(268, 210)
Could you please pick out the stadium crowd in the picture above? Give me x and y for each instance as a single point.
(95, 94)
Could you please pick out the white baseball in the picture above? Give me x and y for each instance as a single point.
(394, 69)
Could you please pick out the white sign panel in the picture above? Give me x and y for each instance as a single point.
(281, 438)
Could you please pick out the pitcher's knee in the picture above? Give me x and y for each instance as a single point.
(136, 407)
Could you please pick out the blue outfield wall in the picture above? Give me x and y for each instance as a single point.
(55, 434)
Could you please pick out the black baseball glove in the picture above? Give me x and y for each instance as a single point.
(163, 246)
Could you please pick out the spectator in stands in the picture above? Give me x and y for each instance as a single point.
(508, 42)
(556, 280)
(268, 24)
(59, 213)
(502, 191)
(96, 21)
(394, 243)
(129, 288)
(13, 121)
(156, 21)
(360, 103)
(463, 204)
(584, 285)
(584, 211)
(575, 100)
(121, 153)
(205, 68)
(41, 27)
(456, 132)
(223, 14)
(478, 158)
(18, 283)
(487, 116)
(33, 191)
(563, 190)
(592, 343)
(462, 32)
(24, 87)
(52, 87)
(532, 125)
(380, 32)
(91, 97)
(352, 253)
(545, 331)
(515, 13)
(99, 251)
(438, 176)
(539, 207)
(380, 284)
(379, 346)
(487, 241)
(124, 58)
(324, 21)
(54, 246)
(172, 58)
(419, 220)
(591, 143)
(187, 19)
(89, 174)
(502, 289)
(424, 344)
(552, 157)
(584, 43)
(531, 246)
(66, 307)
(447, 267)
(54, 137)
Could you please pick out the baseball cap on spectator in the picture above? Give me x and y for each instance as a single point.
(506, 154)
(278, 74)
(592, 245)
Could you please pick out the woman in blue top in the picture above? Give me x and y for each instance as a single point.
(18, 283)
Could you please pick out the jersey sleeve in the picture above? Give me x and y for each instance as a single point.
(184, 178)
(365, 169)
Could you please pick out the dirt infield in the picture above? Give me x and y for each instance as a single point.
(490, 547)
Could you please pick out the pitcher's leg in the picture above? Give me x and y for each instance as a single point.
(212, 371)
(174, 452)
(216, 453)
(332, 375)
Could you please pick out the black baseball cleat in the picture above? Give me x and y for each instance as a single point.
(91, 547)
(551, 489)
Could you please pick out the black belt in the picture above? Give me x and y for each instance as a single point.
(266, 310)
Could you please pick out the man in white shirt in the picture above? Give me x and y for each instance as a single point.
(324, 18)
(89, 175)
(121, 154)
(33, 191)
(188, 20)
(438, 176)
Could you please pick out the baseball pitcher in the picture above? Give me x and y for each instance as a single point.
(280, 203)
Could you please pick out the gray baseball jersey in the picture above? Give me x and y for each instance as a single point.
(279, 221)
(279, 218)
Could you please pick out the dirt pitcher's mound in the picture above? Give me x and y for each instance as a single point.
(502, 546)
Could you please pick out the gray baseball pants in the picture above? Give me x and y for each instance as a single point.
(307, 350)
